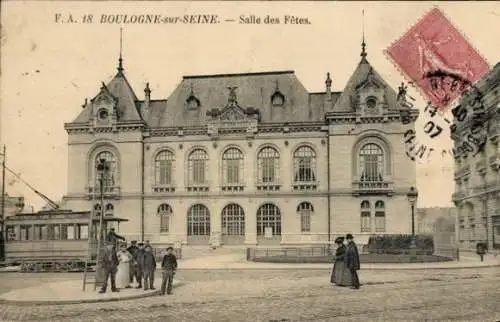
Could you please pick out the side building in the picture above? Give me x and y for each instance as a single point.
(477, 181)
(248, 158)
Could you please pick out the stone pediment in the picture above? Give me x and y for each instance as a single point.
(232, 117)
(370, 82)
(233, 113)
(104, 98)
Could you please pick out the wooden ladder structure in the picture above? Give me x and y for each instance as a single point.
(90, 245)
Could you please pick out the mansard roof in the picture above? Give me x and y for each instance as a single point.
(252, 90)
(364, 73)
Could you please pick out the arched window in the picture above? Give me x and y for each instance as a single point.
(233, 220)
(197, 167)
(365, 217)
(198, 221)
(232, 166)
(164, 212)
(164, 163)
(97, 208)
(108, 176)
(304, 164)
(305, 209)
(109, 210)
(371, 163)
(268, 162)
(379, 216)
(268, 216)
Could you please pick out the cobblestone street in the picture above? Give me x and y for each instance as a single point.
(286, 295)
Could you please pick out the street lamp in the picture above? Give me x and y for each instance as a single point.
(102, 172)
(412, 199)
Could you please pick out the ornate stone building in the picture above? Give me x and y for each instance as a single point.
(248, 158)
(477, 181)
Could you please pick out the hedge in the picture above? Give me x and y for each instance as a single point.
(400, 244)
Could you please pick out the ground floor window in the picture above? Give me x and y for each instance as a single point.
(305, 210)
(198, 221)
(268, 220)
(233, 220)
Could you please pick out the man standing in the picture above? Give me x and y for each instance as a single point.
(139, 264)
(352, 261)
(149, 268)
(133, 265)
(113, 237)
(109, 267)
(169, 266)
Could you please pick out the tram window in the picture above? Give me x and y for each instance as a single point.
(40, 232)
(67, 232)
(25, 232)
(11, 233)
(56, 233)
(83, 232)
(70, 231)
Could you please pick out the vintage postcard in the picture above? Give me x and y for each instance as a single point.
(249, 161)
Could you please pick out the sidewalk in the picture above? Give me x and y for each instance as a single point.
(70, 292)
(237, 261)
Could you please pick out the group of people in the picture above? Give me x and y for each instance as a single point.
(346, 265)
(137, 262)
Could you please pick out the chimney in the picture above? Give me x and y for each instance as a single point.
(147, 98)
(328, 94)
(328, 83)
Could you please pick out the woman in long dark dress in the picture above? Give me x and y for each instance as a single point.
(340, 275)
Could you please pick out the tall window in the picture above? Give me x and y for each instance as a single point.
(110, 176)
(304, 164)
(268, 160)
(198, 221)
(164, 163)
(164, 212)
(232, 166)
(365, 217)
(379, 216)
(233, 220)
(197, 167)
(371, 159)
(268, 216)
(97, 208)
(305, 210)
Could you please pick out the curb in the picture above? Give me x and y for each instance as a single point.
(307, 266)
(63, 302)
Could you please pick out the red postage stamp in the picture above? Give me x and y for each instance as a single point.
(437, 59)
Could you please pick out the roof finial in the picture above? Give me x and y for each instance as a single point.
(120, 60)
(363, 44)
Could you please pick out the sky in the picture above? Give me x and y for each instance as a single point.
(48, 68)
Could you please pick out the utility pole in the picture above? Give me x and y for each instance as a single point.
(2, 217)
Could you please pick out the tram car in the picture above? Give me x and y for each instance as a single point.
(54, 241)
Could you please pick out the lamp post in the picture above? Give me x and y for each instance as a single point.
(412, 199)
(102, 172)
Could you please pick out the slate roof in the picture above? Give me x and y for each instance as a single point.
(253, 90)
(128, 108)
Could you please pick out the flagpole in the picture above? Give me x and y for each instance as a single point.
(2, 217)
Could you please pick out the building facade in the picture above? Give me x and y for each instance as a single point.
(477, 181)
(245, 159)
(435, 219)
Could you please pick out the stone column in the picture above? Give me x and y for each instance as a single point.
(251, 224)
(215, 225)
